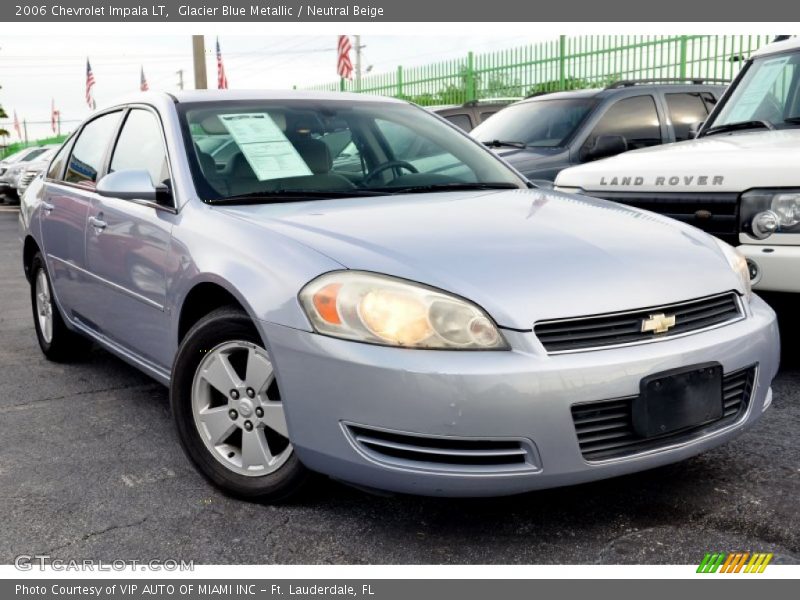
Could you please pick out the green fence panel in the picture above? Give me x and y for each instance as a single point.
(567, 63)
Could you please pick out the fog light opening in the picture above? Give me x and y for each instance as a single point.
(754, 270)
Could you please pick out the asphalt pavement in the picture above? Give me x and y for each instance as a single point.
(90, 468)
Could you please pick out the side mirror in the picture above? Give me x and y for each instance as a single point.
(133, 184)
(695, 128)
(604, 146)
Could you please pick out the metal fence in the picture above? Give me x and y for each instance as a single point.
(562, 64)
(17, 146)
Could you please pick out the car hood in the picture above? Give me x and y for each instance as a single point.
(718, 163)
(523, 255)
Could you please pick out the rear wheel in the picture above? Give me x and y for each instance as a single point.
(57, 342)
(229, 412)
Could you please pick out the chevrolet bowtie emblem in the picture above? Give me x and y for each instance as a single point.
(659, 323)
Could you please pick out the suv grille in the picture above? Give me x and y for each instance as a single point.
(714, 213)
(567, 335)
(444, 453)
(605, 428)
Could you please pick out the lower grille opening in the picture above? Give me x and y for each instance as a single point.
(605, 428)
(443, 453)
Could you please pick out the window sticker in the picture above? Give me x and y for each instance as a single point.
(266, 149)
(759, 87)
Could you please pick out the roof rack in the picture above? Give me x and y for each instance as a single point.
(499, 100)
(537, 94)
(623, 83)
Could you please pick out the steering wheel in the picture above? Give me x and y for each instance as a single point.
(392, 164)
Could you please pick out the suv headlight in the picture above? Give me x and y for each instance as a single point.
(765, 212)
(738, 263)
(379, 309)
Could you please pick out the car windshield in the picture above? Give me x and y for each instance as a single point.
(767, 96)
(542, 123)
(275, 150)
(33, 154)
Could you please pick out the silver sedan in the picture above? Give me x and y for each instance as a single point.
(351, 286)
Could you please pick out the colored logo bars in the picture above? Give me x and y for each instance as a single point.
(734, 562)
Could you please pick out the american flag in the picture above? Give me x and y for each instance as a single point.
(89, 85)
(143, 87)
(16, 125)
(222, 80)
(344, 67)
(53, 115)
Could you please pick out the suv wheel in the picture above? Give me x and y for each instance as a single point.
(229, 412)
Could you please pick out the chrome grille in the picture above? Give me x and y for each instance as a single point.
(567, 335)
(444, 453)
(605, 428)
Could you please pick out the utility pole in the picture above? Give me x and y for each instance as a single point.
(358, 61)
(199, 57)
(179, 73)
(25, 129)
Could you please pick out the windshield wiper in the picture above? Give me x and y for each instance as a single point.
(453, 187)
(752, 124)
(276, 196)
(792, 120)
(504, 143)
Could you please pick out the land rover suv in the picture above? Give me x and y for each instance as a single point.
(738, 180)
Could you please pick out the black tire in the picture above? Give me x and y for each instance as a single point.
(65, 345)
(218, 327)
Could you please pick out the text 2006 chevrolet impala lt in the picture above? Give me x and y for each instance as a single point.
(351, 286)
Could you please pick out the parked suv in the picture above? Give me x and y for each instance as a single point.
(739, 180)
(471, 114)
(549, 132)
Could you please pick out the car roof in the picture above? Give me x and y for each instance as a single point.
(791, 44)
(625, 90)
(162, 98)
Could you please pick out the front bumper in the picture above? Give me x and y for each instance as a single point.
(778, 266)
(520, 395)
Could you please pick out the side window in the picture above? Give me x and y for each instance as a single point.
(486, 115)
(636, 119)
(141, 146)
(684, 110)
(710, 100)
(90, 148)
(462, 121)
(57, 166)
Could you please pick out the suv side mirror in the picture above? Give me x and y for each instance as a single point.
(695, 128)
(606, 145)
(133, 184)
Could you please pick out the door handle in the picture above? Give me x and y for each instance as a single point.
(97, 223)
(47, 207)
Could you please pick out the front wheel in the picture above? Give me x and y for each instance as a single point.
(229, 412)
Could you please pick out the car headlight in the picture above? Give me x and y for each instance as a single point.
(380, 309)
(738, 263)
(765, 212)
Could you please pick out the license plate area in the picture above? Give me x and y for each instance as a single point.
(678, 399)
